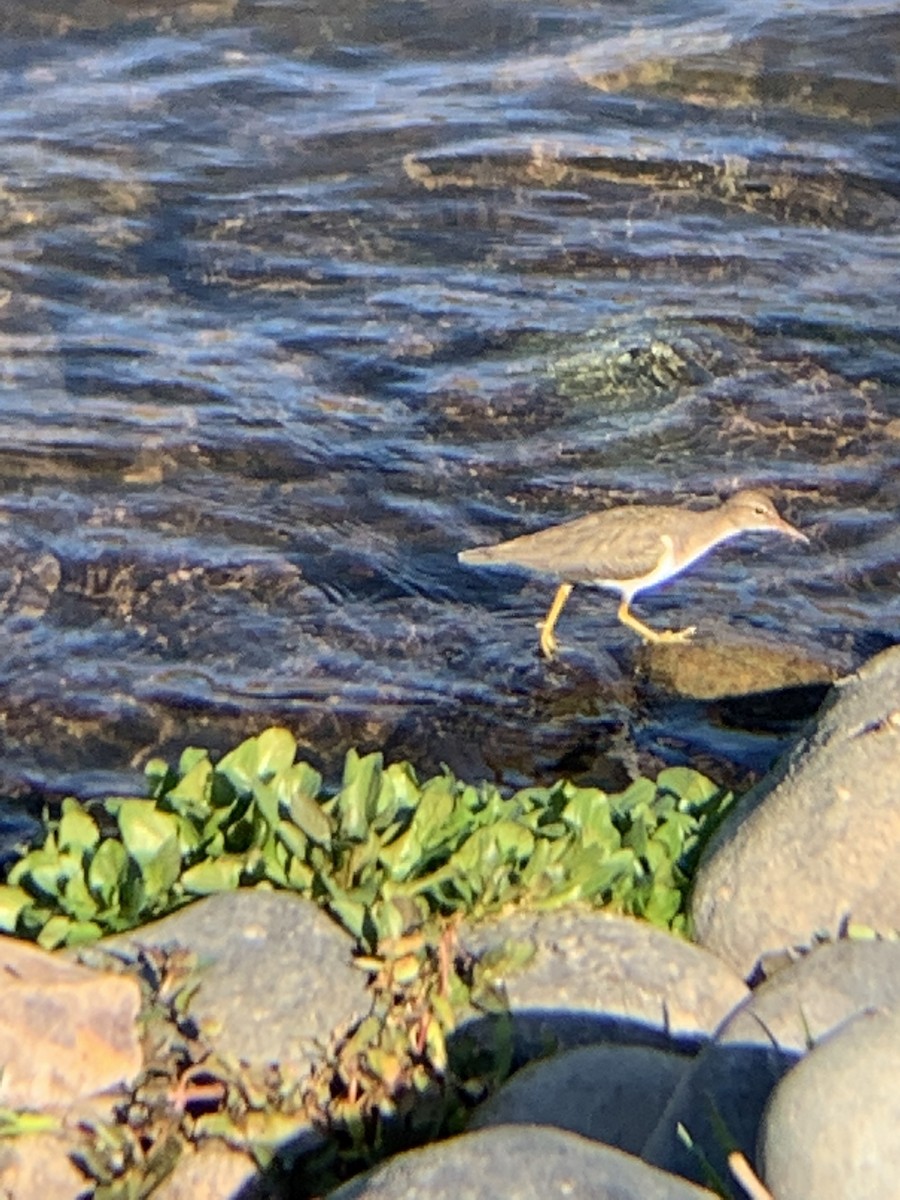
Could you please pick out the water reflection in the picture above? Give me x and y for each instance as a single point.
(298, 303)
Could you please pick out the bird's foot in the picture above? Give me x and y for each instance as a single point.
(677, 636)
(549, 644)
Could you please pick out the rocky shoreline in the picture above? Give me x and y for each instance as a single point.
(632, 1056)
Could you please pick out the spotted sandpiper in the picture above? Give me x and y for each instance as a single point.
(628, 550)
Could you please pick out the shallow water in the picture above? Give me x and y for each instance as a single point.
(297, 304)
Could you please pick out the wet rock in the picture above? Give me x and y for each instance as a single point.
(730, 1081)
(28, 581)
(530, 1163)
(593, 978)
(726, 666)
(276, 974)
(847, 1147)
(67, 1032)
(816, 844)
(611, 1094)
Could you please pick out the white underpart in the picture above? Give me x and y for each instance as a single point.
(664, 569)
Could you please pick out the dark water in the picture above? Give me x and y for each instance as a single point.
(298, 302)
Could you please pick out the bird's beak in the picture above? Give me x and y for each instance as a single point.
(787, 528)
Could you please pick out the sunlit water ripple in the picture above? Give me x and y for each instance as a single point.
(297, 304)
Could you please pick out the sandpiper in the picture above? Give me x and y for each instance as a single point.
(629, 550)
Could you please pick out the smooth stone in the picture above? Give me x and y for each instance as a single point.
(39, 1165)
(66, 1032)
(832, 1125)
(213, 1171)
(594, 978)
(525, 1162)
(612, 1094)
(722, 663)
(817, 842)
(275, 974)
(731, 1080)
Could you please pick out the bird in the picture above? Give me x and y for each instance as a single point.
(630, 549)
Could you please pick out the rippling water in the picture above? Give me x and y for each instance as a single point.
(296, 304)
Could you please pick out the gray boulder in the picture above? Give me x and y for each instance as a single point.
(725, 1090)
(592, 977)
(816, 844)
(519, 1163)
(275, 974)
(832, 1125)
(613, 1094)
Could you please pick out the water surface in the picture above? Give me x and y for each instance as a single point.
(297, 304)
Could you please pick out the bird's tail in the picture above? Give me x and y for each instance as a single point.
(478, 556)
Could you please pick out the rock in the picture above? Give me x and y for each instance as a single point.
(730, 1081)
(612, 1094)
(527, 1162)
(66, 1033)
(849, 1145)
(212, 1171)
(726, 666)
(276, 976)
(599, 978)
(39, 1164)
(817, 842)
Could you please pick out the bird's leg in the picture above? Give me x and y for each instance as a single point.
(548, 641)
(627, 617)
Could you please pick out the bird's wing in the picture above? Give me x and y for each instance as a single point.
(605, 545)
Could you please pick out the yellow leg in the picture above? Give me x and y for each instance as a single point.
(627, 617)
(548, 641)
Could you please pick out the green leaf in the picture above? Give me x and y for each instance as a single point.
(14, 1123)
(489, 848)
(662, 906)
(276, 750)
(310, 817)
(83, 933)
(404, 785)
(641, 793)
(213, 875)
(55, 932)
(191, 794)
(300, 876)
(594, 877)
(356, 802)
(636, 837)
(351, 913)
(433, 813)
(403, 854)
(160, 777)
(675, 834)
(266, 798)
(302, 778)
(588, 811)
(151, 839)
(292, 837)
(77, 900)
(191, 759)
(390, 920)
(41, 870)
(77, 829)
(145, 829)
(691, 788)
(12, 901)
(241, 766)
(107, 870)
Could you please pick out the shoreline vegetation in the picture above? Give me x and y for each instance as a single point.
(397, 863)
(383, 854)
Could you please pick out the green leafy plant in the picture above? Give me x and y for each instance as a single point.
(383, 854)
